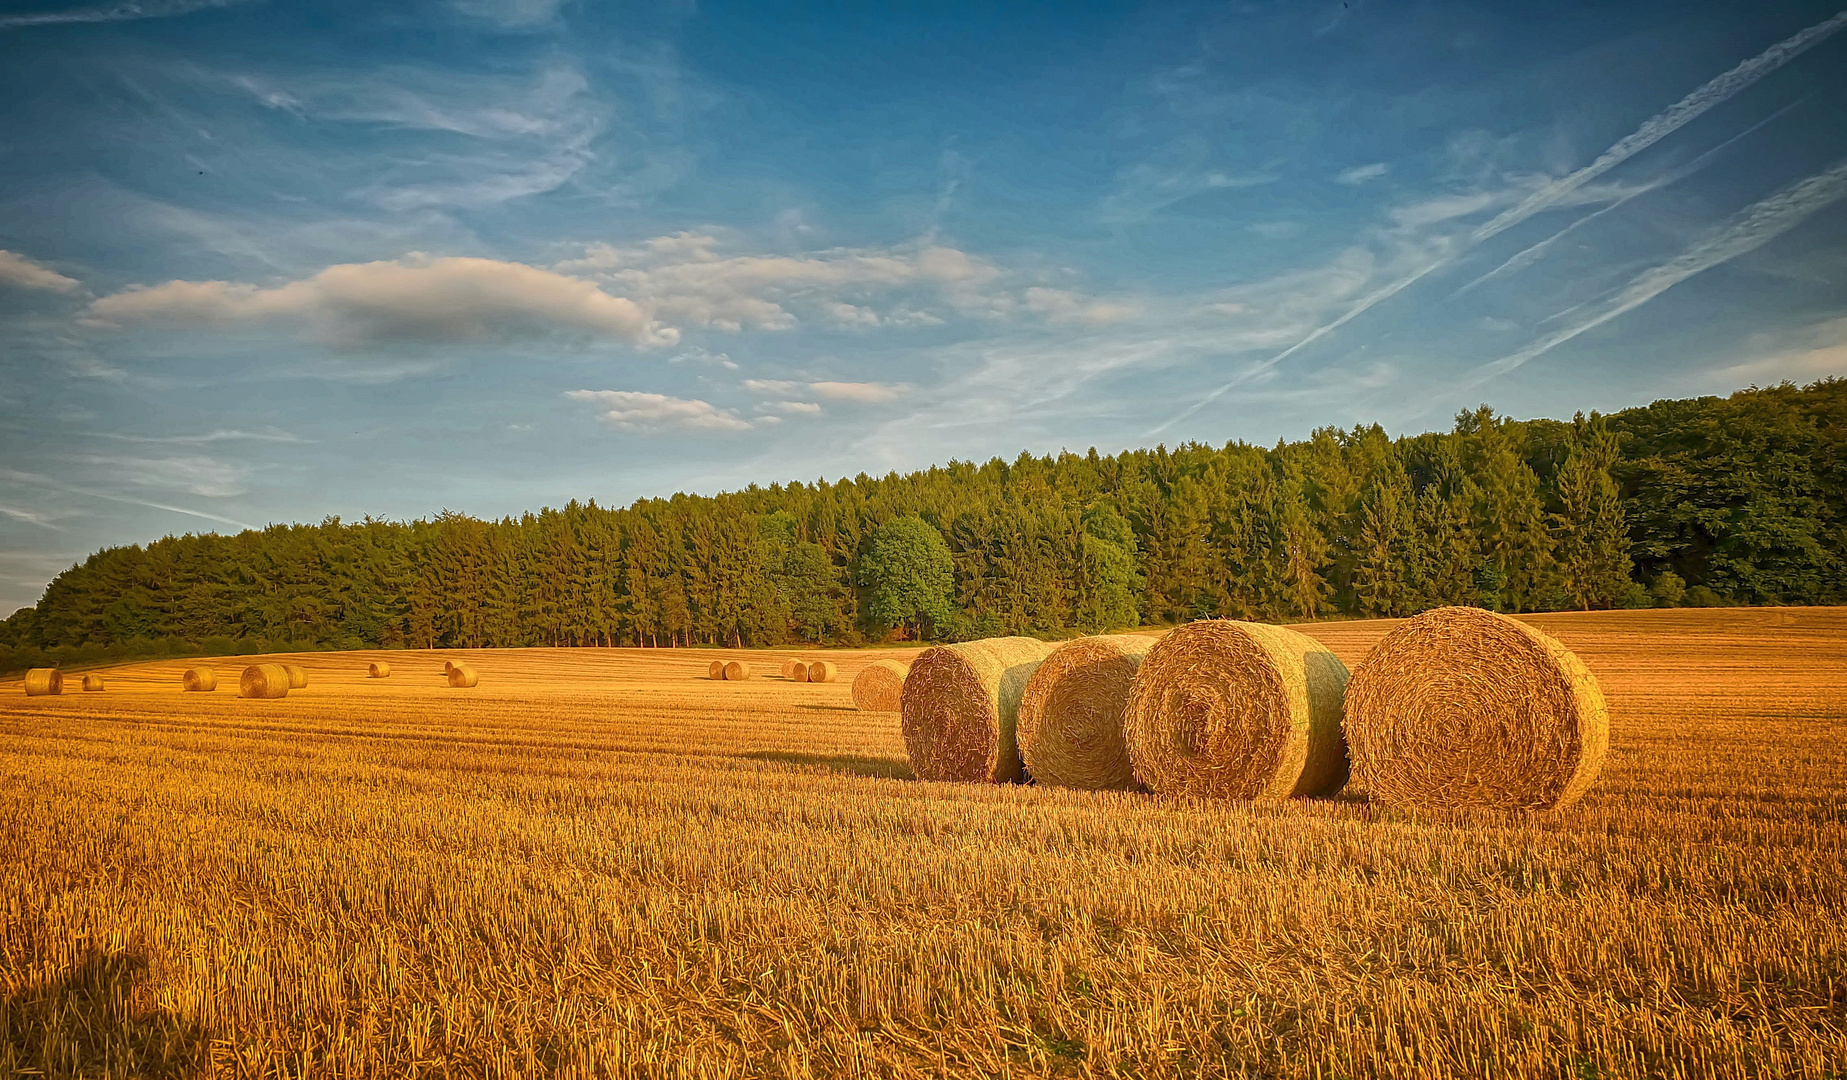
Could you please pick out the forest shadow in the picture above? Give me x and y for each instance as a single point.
(90, 1021)
(883, 768)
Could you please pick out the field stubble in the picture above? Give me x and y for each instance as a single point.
(599, 862)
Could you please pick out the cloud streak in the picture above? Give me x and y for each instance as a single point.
(17, 270)
(634, 410)
(146, 9)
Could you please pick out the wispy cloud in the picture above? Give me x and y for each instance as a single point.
(1748, 230)
(17, 270)
(39, 480)
(1360, 174)
(635, 410)
(102, 13)
(858, 393)
(30, 517)
(220, 435)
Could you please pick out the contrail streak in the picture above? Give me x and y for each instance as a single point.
(151, 9)
(1748, 230)
(1656, 128)
(46, 481)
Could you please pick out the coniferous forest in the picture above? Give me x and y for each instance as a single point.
(1739, 500)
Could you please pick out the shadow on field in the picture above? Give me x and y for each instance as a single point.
(883, 768)
(829, 708)
(92, 1021)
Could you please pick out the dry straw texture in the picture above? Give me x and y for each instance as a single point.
(41, 681)
(92, 682)
(1070, 726)
(199, 680)
(264, 681)
(298, 676)
(448, 666)
(378, 669)
(737, 671)
(1461, 707)
(959, 708)
(1238, 710)
(879, 686)
(715, 671)
(788, 668)
(823, 671)
(462, 676)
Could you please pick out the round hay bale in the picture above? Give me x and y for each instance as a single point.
(879, 686)
(264, 681)
(298, 676)
(715, 671)
(823, 671)
(448, 666)
(1237, 710)
(1070, 725)
(462, 676)
(1461, 707)
(92, 683)
(201, 680)
(737, 671)
(378, 669)
(799, 671)
(41, 681)
(788, 668)
(959, 706)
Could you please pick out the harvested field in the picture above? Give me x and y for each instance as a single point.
(601, 862)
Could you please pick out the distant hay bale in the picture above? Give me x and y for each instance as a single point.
(1460, 707)
(1071, 715)
(715, 671)
(378, 669)
(298, 676)
(789, 666)
(737, 671)
(41, 681)
(1237, 710)
(264, 681)
(461, 676)
(199, 680)
(823, 671)
(798, 670)
(879, 686)
(92, 682)
(959, 706)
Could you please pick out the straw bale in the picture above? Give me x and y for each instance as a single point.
(92, 682)
(959, 706)
(41, 681)
(1070, 725)
(788, 668)
(1461, 707)
(264, 681)
(298, 676)
(1237, 710)
(879, 686)
(799, 671)
(823, 671)
(448, 666)
(737, 671)
(462, 676)
(199, 680)
(715, 671)
(378, 669)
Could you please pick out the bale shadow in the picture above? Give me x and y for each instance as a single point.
(830, 708)
(94, 1020)
(850, 764)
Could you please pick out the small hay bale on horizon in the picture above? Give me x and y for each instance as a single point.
(823, 671)
(959, 706)
(92, 682)
(1462, 707)
(1071, 715)
(378, 669)
(879, 686)
(1225, 709)
(737, 671)
(461, 676)
(267, 681)
(44, 681)
(199, 680)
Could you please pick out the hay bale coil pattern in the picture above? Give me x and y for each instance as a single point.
(92, 683)
(959, 706)
(737, 671)
(1237, 710)
(264, 681)
(1461, 707)
(201, 680)
(1071, 715)
(798, 672)
(788, 668)
(448, 666)
(298, 676)
(715, 671)
(462, 676)
(823, 671)
(879, 686)
(378, 669)
(41, 681)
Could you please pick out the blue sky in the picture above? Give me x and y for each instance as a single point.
(270, 262)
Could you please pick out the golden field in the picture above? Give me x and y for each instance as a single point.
(599, 863)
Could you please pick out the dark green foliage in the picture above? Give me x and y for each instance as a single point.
(1714, 500)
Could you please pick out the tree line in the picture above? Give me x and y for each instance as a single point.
(1700, 501)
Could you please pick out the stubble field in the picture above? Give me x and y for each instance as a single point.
(597, 863)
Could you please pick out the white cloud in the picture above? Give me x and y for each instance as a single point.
(192, 474)
(860, 393)
(23, 272)
(771, 386)
(416, 298)
(1359, 174)
(1821, 353)
(1061, 305)
(791, 408)
(634, 410)
(697, 355)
